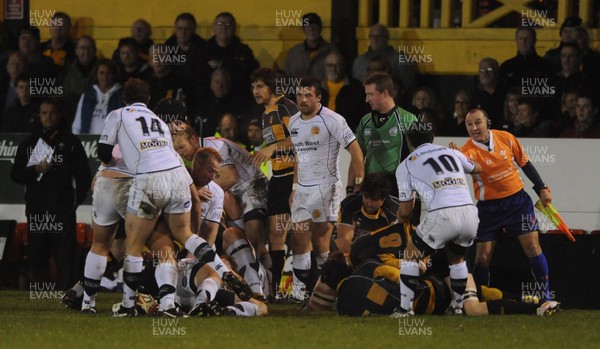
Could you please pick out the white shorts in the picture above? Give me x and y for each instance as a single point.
(151, 193)
(452, 224)
(252, 195)
(109, 200)
(319, 203)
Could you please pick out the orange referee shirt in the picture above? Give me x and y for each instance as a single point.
(499, 177)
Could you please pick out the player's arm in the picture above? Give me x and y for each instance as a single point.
(405, 193)
(196, 214)
(351, 175)
(470, 166)
(108, 138)
(228, 177)
(295, 181)
(208, 231)
(539, 186)
(263, 155)
(357, 165)
(345, 236)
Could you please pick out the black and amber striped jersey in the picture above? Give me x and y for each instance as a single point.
(386, 244)
(353, 213)
(275, 122)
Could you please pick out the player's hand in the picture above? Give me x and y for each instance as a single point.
(43, 167)
(263, 155)
(546, 196)
(204, 194)
(453, 145)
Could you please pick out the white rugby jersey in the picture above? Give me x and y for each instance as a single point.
(145, 139)
(437, 174)
(213, 209)
(317, 144)
(119, 165)
(234, 155)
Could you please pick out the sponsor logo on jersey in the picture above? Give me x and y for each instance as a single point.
(153, 143)
(316, 213)
(294, 131)
(187, 204)
(315, 130)
(394, 131)
(413, 158)
(368, 132)
(349, 137)
(448, 182)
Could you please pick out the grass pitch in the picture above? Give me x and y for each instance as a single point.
(45, 323)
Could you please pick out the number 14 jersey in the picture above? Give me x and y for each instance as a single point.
(437, 174)
(144, 139)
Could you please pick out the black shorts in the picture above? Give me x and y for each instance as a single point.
(280, 189)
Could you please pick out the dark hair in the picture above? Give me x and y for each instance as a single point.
(62, 15)
(136, 90)
(531, 103)
(128, 42)
(529, 29)
(170, 107)
(383, 60)
(420, 132)
(309, 81)
(312, 18)
(382, 82)
(227, 15)
(186, 16)
(27, 29)
(55, 102)
(109, 64)
(376, 186)
(572, 45)
(591, 97)
(266, 75)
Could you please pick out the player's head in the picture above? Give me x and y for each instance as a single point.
(375, 188)
(185, 140)
(379, 91)
(420, 133)
(206, 165)
(264, 87)
(308, 96)
(478, 124)
(136, 91)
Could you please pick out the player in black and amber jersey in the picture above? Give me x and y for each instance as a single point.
(278, 149)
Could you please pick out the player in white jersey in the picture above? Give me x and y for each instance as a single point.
(161, 184)
(239, 177)
(437, 175)
(317, 134)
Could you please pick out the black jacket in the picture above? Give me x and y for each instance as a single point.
(55, 191)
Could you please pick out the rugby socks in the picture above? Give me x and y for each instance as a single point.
(322, 258)
(313, 274)
(78, 288)
(278, 261)
(509, 306)
(409, 277)
(244, 309)
(205, 254)
(458, 283)
(207, 291)
(481, 275)
(539, 267)
(132, 272)
(95, 265)
(166, 280)
(241, 252)
(301, 266)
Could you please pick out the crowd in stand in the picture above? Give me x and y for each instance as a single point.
(527, 95)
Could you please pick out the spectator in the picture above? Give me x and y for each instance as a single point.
(56, 183)
(141, 32)
(190, 45)
(255, 137)
(229, 128)
(60, 48)
(511, 108)
(454, 126)
(527, 63)
(16, 67)
(29, 45)
(342, 94)
(23, 116)
(590, 58)
(78, 76)
(130, 65)
(308, 57)
(528, 123)
(587, 123)
(424, 97)
(568, 77)
(104, 96)
(221, 101)
(490, 93)
(379, 37)
(226, 50)
(568, 34)
(165, 82)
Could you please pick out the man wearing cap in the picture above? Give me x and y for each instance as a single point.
(308, 58)
(568, 33)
